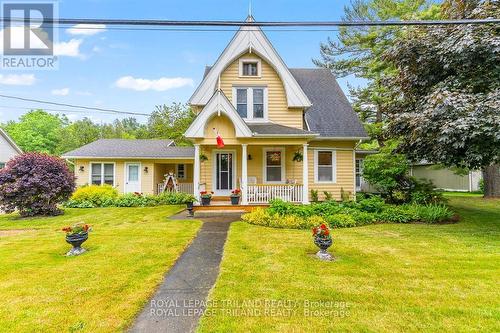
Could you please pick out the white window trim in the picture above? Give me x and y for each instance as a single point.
(249, 89)
(264, 157)
(253, 61)
(177, 170)
(102, 171)
(125, 172)
(334, 166)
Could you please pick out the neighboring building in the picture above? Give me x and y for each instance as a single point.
(8, 148)
(286, 131)
(446, 179)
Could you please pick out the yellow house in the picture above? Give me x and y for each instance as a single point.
(286, 132)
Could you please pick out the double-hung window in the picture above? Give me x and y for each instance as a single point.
(359, 173)
(102, 173)
(251, 102)
(274, 168)
(181, 171)
(324, 166)
(250, 67)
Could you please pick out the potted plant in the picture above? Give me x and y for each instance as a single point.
(190, 199)
(235, 196)
(75, 236)
(323, 239)
(206, 197)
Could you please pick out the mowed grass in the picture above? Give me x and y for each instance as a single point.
(386, 278)
(130, 250)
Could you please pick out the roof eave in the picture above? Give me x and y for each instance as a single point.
(343, 138)
(128, 157)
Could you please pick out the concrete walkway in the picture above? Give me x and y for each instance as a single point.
(180, 300)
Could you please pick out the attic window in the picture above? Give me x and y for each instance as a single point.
(249, 67)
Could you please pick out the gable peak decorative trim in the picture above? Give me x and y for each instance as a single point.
(251, 39)
(219, 103)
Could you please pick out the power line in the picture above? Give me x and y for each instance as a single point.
(224, 23)
(74, 106)
(8, 107)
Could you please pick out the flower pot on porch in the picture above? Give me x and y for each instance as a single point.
(76, 240)
(205, 201)
(235, 199)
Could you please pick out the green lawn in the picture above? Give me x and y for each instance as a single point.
(391, 278)
(130, 249)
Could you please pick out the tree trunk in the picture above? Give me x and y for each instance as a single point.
(491, 176)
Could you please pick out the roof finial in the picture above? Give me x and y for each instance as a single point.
(250, 16)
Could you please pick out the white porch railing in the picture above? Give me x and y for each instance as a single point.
(259, 194)
(181, 187)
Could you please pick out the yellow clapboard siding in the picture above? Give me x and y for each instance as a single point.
(277, 104)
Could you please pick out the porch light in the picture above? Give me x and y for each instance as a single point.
(82, 168)
(146, 170)
(249, 157)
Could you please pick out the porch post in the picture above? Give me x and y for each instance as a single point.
(305, 175)
(244, 174)
(196, 172)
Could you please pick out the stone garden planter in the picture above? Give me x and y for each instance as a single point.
(323, 244)
(189, 206)
(76, 240)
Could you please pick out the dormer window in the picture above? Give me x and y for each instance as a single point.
(251, 102)
(250, 67)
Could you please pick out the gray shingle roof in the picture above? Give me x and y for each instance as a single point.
(276, 129)
(108, 148)
(331, 114)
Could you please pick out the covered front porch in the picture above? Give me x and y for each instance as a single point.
(263, 171)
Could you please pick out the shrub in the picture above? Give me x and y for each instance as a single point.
(341, 221)
(372, 204)
(96, 195)
(328, 196)
(265, 218)
(425, 193)
(363, 218)
(35, 184)
(398, 214)
(314, 196)
(258, 216)
(433, 213)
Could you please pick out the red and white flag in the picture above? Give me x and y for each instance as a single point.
(220, 142)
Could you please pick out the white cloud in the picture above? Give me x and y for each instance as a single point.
(18, 79)
(86, 29)
(161, 84)
(60, 92)
(70, 49)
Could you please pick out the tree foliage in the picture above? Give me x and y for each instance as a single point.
(445, 99)
(35, 184)
(170, 122)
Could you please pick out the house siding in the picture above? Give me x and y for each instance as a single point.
(278, 110)
(6, 150)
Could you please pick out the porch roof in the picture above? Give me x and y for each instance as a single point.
(123, 148)
(272, 129)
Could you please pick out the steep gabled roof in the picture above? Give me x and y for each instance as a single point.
(10, 141)
(250, 39)
(277, 130)
(123, 148)
(331, 114)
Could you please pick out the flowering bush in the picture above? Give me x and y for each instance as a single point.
(322, 231)
(206, 195)
(34, 183)
(95, 195)
(236, 192)
(79, 228)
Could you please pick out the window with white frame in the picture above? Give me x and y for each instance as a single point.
(251, 102)
(249, 67)
(181, 171)
(274, 168)
(102, 173)
(359, 172)
(324, 166)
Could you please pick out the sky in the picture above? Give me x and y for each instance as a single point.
(136, 70)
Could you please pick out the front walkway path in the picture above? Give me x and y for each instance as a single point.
(179, 302)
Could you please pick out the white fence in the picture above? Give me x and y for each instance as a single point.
(265, 193)
(181, 187)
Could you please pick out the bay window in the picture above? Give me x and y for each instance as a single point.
(324, 166)
(250, 102)
(102, 173)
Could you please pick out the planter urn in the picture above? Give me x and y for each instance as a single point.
(76, 240)
(323, 244)
(189, 206)
(235, 199)
(205, 201)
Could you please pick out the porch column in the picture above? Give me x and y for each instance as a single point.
(244, 174)
(305, 175)
(196, 172)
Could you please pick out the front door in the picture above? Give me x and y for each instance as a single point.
(224, 176)
(132, 177)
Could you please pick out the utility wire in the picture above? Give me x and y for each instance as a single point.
(74, 106)
(9, 107)
(147, 22)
